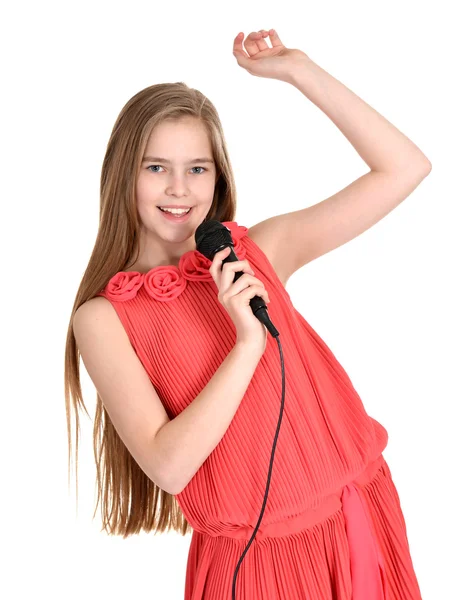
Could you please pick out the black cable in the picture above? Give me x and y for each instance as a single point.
(269, 472)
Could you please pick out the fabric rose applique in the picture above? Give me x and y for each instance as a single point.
(164, 283)
(237, 232)
(124, 285)
(194, 266)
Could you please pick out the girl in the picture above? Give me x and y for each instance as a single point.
(189, 390)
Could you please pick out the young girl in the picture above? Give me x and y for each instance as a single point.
(189, 390)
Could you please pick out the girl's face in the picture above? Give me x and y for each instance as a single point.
(178, 169)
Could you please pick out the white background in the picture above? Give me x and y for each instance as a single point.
(386, 303)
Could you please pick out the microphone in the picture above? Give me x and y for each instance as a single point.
(211, 237)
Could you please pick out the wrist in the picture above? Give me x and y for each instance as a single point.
(251, 349)
(303, 71)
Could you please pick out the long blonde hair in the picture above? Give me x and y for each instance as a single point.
(130, 501)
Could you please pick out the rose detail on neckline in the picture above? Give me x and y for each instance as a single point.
(194, 266)
(237, 233)
(124, 285)
(164, 283)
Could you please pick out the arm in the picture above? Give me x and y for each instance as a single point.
(397, 167)
(186, 441)
(168, 451)
(378, 142)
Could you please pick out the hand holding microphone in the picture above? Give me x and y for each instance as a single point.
(235, 297)
(212, 238)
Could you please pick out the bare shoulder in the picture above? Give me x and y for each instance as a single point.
(268, 236)
(93, 303)
(94, 309)
(100, 333)
(262, 233)
(96, 323)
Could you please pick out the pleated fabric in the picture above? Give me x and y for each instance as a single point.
(333, 528)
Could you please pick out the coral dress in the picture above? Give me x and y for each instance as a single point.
(333, 528)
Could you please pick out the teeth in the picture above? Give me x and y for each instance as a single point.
(175, 211)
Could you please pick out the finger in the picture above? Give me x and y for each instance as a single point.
(252, 42)
(266, 35)
(217, 261)
(228, 288)
(248, 293)
(260, 40)
(239, 53)
(243, 282)
(229, 271)
(274, 38)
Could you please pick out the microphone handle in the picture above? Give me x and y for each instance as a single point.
(257, 304)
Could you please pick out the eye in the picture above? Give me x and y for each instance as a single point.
(151, 166)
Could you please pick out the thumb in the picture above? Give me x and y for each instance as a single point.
(239, 54)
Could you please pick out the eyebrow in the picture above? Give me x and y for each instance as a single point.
(204, 159)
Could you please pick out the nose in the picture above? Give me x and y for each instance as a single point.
(177, 186)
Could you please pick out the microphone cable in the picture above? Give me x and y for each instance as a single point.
(269, 472)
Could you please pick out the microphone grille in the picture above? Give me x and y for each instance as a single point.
(211, 237)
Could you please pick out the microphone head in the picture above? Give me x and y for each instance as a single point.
(211, 237)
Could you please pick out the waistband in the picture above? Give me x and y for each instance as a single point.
(307, 519)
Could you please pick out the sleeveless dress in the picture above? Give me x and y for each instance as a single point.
(333, 528)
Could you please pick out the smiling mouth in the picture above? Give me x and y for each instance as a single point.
(172, 213)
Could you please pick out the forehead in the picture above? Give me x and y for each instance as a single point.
(182, 144)
(179, 138)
